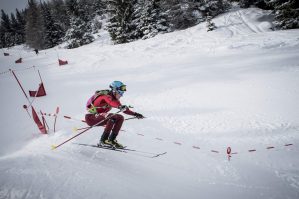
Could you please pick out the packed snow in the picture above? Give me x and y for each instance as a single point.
(201, 92)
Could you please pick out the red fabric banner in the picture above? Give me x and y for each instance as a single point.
(39, 93)
(18, 61)
(61, 62)
(38, 122)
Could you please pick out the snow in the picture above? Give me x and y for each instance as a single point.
(236, 86)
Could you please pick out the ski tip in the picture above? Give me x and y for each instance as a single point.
(159, 154)
(53, 147)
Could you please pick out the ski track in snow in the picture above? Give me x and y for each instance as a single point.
(236, 86)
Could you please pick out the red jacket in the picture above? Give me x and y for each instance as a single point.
(104, 104)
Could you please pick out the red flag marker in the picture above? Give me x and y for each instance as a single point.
(18, 61)
(61, 62)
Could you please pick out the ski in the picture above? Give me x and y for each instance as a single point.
(103, 147)
(125, 150)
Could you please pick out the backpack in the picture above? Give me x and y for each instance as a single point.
(89, 105)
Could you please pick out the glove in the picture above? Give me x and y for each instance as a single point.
(138, 116)
(123, 107)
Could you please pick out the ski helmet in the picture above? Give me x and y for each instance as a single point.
(118, 86)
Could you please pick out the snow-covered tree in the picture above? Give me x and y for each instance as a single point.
(99, 6)
(258, 3)
(210, 24)
(53, 32)
(6, 33)
(245, 3)
(215, 7)
(58, 10)
(21, 21)
(80, 31)
(14, 29)
(85, 10)
(149, 20)
(286, 13)
(78, 34)
(34, 26)
(120, 22)
(181, 13)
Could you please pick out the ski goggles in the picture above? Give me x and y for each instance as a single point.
(122, 88)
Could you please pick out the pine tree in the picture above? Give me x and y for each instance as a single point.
(136, 21)
(214, 7)
(20, 16)
(79, 32)
(72, 7)
(286, 13)
(210, 25)
(245, 3)
(149, 20)
(58, 10)
(181, 14)
(2, 45)
(53, 32)
(99, 15)
(98, 6)
(258, 3)
(85, 10)
(120, 22)
(6, 33)
(185, 13)
(78, 35)
(14, 29)
(34, 26)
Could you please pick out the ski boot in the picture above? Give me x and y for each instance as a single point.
(104, 143)
(115, 144)
(104, 140)
(112, 140)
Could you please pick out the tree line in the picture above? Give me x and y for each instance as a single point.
(44, 25)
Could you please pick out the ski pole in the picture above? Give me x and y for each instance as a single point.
(78, 129)
(68, 117)
(26, 108)
(75, 129)
(20, 85)
(83, 128)
(57, 111)
(44, 121)
(56, 146)
(131, 118)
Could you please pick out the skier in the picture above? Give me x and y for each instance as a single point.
(36, 51)
(100, 104)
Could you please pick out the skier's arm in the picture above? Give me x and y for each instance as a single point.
(129, 112)
(117, 104)
(126, 110)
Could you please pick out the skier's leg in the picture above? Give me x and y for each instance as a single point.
(92, 119)
(109, 125)
(119, 119)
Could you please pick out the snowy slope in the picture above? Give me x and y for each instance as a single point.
(236, 86)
